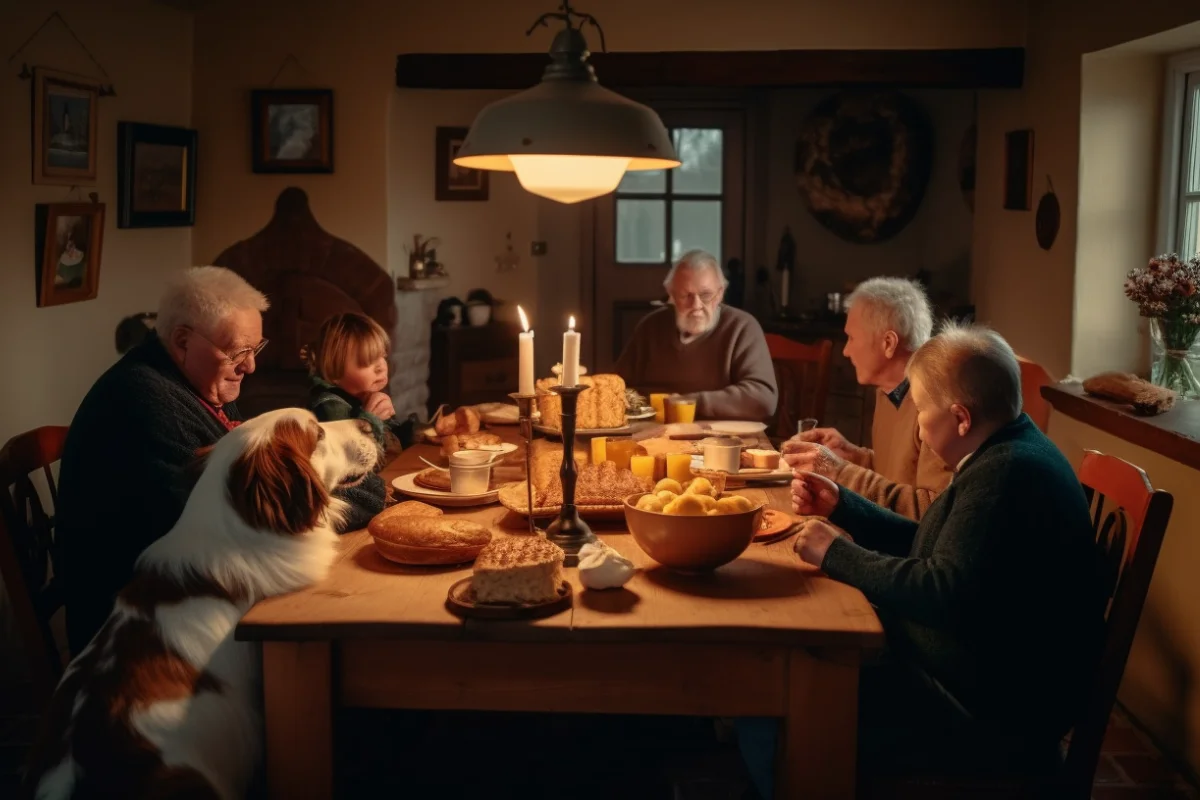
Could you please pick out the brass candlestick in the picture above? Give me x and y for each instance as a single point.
(525, 418)
(569, 531)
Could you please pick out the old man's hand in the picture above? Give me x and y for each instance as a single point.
(812, 457)
(813, 540)
(814, 495)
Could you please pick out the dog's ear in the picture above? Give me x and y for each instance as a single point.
(273, 485)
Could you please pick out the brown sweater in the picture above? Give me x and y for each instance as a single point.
(901, 474)
(728, 370)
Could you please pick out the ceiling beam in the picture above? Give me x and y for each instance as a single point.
(994, 68)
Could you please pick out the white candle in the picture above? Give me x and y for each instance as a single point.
(570, 359)
(525, 371)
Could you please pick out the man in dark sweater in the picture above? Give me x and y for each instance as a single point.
(698, 348)
(992, 603)
(122, 483)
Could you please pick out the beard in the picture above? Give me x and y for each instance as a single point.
(694, 322)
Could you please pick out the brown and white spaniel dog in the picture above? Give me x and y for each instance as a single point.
(163, 702)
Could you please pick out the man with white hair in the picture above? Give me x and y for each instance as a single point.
(993, 603)
(700, 349)
(122, 483)
(889, 319)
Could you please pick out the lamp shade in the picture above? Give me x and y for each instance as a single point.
(568, 138)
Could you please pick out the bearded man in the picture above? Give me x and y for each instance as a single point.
(700, 349)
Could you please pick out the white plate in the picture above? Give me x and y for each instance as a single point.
(639, 415)
(621, 431)
(749, 474)
(735, 428)
(405, 485)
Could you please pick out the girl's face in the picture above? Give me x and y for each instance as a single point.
(365, 379)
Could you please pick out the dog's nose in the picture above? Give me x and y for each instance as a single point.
(364, 426)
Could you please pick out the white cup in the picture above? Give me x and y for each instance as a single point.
(479, 314)
(470, 479)
(723, 454)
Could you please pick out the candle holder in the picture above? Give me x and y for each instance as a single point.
(525, 419)
(569, 531)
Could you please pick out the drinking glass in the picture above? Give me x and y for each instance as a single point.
(681, 410)
(806, 424)
(619, 450)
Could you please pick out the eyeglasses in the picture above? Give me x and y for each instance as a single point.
(690, 298)
(238, 357)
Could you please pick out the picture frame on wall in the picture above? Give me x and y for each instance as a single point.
(1018, 170)
(453, 182)
(291, 130)
(156, 176)
(69, 238)
(65, 108)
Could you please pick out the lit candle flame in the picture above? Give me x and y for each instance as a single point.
(524, 319)
(571, 324)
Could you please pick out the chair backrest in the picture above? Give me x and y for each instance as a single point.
(27, 549)
(802, 374)
(1033, 378)
(1130, 518)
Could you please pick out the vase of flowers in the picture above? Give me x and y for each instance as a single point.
(1167, 291)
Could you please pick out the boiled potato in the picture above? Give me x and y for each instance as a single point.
(733, 504)
(714, 512)
(666, 495)
(668, 485)
(708, 502)
(700, 486)
(686, 505)
(650, 503)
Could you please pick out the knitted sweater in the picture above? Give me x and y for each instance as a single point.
(331, 403)
(122, 481)
(996, 593)
(901, 473)
(728, 369)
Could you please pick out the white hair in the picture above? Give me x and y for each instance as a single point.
(896, 304)
(201, 297)
(695, 260)
(973, 366)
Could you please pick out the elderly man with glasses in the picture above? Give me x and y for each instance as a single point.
(122, 483)
(700, 349)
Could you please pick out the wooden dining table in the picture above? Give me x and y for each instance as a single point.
(765, 635)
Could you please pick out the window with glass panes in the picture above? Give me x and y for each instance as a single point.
(660, 215)
(1187, 228)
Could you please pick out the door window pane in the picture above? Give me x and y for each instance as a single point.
(1189, 234)
(695, 224)
(701, 150)
(641, 231)
(1192, 174)
(644, 182)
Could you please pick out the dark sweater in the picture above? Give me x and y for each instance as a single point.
(122, 482)
(331, 403)
(996, 593)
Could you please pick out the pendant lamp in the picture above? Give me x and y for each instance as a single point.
(568, 138)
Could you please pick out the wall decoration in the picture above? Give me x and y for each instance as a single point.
(863, 160)
(68, 244)
(1018, 170)
(156, 176)
(64, 128)
(1047, 219)
(452, 182)
(292, 130)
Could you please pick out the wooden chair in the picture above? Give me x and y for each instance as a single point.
(802, 374)
(1033, 377)
(27, 550)
(1129, 518)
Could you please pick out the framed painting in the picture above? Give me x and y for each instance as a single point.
(69, 238)
(453, 182)
(1018, 170)
(156, 176)
(291, 130)
(64, 128)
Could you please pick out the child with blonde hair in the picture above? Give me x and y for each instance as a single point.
(349, 372)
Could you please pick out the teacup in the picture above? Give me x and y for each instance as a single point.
(473, 479)
(723, 453)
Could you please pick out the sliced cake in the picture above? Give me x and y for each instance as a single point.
(518, 569)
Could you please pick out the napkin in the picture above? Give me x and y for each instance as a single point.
(601, 567)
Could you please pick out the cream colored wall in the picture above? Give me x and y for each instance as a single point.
(1163, 671)
(52, 355)
(1028, 293)
(1119, 159)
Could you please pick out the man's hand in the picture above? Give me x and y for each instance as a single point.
(380, 405)
(832, 439)
(812, 457)
(813, 540)
(814, 495)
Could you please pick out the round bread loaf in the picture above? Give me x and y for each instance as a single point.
(428, 540)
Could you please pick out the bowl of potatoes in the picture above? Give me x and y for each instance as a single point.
(692, 526)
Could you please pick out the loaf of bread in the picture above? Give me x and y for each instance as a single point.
(409, 508)
(601, 405)
(518, 569)
(463, 420)
(452, 443)
(428, 540)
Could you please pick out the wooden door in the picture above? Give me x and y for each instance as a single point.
(655, 217)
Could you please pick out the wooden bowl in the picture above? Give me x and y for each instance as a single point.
(691, 543)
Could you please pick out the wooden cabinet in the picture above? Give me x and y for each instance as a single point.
(469, 364)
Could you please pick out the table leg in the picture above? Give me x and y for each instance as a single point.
(819, 735)
(298, 705)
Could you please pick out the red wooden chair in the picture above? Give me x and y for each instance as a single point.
(1033, 377)
(27, 550)
(802, 374)
(1129, 518)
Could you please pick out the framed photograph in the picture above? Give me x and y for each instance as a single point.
(156, 176)
(292, 130)
(1018, 170)
(454, 182)
(68, 244)
(64, 128)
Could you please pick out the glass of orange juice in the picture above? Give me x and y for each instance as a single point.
(658, 401)
(681, 409)
(679, 466)
(619, 449)
(599, 453)
(642, 466)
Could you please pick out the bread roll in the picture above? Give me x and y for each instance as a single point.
(428, 540)
(466, 420)
(409, 508)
